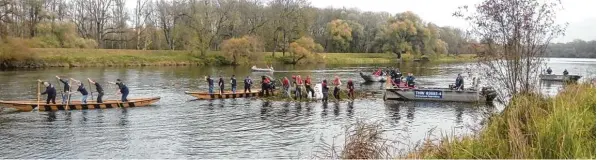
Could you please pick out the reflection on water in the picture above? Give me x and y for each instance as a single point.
(180, 127)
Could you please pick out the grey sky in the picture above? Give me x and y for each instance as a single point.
(580, 14)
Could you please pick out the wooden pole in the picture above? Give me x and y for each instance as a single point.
(90, 90)
(38, 94)
(68, 94)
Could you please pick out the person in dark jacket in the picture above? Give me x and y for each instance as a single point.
(122, 89)
(350, 87)
(221, 85)
(233, 84)
(565, 72)
(459, 83)
(50, 91)
(65, 92)
(549, 70)
(324, 90)
(248, 82)
(82, 90)
(210, 83)
(410, 80)
(99, 90)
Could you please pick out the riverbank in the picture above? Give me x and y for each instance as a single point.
(531, 126)
(67, 57)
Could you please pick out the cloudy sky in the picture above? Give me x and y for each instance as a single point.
(580, 14)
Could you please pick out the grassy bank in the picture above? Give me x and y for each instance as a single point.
(531, 126)
(64, 57)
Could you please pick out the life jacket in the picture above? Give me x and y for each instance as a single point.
(285, 82)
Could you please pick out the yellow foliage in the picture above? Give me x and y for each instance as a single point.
(240, 50)
(305, 48)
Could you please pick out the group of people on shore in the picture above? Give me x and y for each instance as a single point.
(67, 91)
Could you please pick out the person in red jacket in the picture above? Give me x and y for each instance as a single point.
(337, 83)
(286, 86)
(308, 86)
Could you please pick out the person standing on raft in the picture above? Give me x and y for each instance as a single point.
(337, 84)
(350, 87)
(122, 89)
(210, 83)
(50, 91)
(83, 91)
(286, 86)
(324, 90)
(221, 85)
(248, 83)
(65, 92)
(308, 86)
(99, 89)
(264, 86)
(233, 84)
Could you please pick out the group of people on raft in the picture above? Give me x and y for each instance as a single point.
(51, 93)
(268, 86)
(396, 80)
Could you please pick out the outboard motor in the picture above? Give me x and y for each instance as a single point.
(489, 93)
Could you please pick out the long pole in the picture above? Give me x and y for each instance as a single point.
(38, 94)
(68, 94)
(90, 90)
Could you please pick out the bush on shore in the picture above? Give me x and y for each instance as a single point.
(531, 126)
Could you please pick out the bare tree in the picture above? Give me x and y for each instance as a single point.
(515, 34)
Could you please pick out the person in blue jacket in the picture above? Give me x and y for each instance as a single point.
(122, 89)
(50, 91)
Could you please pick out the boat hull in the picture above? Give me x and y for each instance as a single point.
(560, 78)
(226, 95)
(372, 78)
(436, 94)
(26, 106)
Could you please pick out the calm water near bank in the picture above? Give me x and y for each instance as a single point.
(180, 127)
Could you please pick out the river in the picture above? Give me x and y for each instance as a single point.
(180, 127)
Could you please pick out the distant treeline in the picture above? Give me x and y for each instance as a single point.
(575, 49)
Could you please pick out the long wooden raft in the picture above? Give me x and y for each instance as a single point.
(226, 95)
(26, 106)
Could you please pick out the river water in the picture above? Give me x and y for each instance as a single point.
(180, 127)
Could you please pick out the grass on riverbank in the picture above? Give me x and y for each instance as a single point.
(71, 57)
(562, 127)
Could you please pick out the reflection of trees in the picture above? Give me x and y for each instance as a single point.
(459, 110)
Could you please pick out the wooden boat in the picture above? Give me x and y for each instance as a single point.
(255, 69)
(487, 94)
(561, 78)
(372, 78)
(226, 95)
(26, 106)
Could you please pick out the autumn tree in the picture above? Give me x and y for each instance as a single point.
(304, 48)
(240, 50)
(514, 36)
(340, 35)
